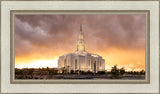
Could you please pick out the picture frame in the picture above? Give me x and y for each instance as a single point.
(10, 8)
(21, 12)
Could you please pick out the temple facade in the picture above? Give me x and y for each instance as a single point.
(81, 60)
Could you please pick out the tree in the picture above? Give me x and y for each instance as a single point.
(72, 71)
(31, 71)
(20, 72)
(89, 72)
(48, 70)
(55, 72)
(115, 71)
(101, 72)
(122, 71)
(68, 69)
(52, 71)
(142, 72)
(64, 70)
(43, 69)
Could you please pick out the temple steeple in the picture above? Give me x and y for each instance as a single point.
(81, 34)
(80, 42)
(81, 28)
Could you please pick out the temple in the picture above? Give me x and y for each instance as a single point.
(81, 60)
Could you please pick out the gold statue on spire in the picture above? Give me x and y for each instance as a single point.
(81, 34)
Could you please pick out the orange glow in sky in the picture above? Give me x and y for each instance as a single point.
(41, 39)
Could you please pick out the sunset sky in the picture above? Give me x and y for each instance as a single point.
(119, 39)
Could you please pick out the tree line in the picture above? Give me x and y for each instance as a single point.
(116, 72)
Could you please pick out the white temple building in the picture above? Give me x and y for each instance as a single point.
(81, 60)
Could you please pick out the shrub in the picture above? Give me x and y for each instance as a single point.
(72, 71)
(115, 72)
(101, 72)
(122, 71)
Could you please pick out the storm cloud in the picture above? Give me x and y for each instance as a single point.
(61, 31)
(55, 35)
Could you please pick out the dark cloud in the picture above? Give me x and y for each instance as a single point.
(37, 33)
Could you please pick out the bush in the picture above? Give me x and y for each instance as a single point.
(142, 72)
(101, 72)
(35, 77)
(76, 71)
(122, 71)
(115, 72)
(89, 72)
(72, 71)
(82, 72)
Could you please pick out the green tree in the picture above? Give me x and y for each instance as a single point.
(52, 71)
(64, 70)
(89, 72)
(101, 72)
(68, 69)
(55, 72)
(115, 72)
(48, 70)
(31, 71)
(43, 69)
(142, 72)
(20, 72)
(122, 71)
(72, 71)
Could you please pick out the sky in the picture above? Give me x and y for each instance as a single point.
(118, 38)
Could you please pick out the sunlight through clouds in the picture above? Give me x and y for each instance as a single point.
(39, 64)
(119, 39)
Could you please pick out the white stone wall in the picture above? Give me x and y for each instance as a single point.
(84, 62)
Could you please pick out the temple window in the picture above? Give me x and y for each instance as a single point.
(76, 64)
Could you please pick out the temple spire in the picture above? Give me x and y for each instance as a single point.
(81, 28)
(81, 34)
(80, 42)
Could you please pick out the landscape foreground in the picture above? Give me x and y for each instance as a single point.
(53, 73)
